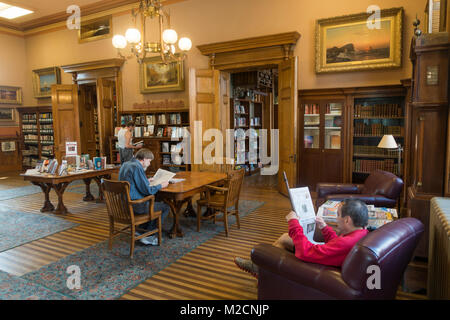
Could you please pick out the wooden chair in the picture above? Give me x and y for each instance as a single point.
(120, 210)
(220, 199)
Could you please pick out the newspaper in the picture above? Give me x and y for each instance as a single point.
(328, 210)
(302, 205)
(161, 176)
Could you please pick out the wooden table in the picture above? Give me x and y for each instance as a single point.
(175, 195)
(60, 183)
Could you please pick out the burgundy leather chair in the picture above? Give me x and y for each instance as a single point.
(381, 189)
(390, 247)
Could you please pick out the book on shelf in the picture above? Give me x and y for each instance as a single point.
(160, 131)
(165, 147)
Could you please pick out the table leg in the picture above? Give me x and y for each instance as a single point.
(88, 196)
(98, 180)
(46, 187)
(175, 207)
(59, 189)
(190, 212)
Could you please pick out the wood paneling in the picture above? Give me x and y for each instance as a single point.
(10, 160)
(287, 114)
(66, 121)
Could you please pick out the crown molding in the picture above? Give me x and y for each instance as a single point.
(58, 20)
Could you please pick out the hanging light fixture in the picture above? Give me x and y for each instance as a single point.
(167, 36)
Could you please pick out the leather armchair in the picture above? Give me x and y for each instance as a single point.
(381, 189)
(283, 276)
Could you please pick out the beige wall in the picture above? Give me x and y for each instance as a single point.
(13, 70)
(206, 21)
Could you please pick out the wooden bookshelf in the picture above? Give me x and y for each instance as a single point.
(36, 135)
(157, 130)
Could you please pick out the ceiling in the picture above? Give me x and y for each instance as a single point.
(52, 11)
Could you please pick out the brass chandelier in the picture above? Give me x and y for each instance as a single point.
(167, 36)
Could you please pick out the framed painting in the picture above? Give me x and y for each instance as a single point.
(95, 29)
(155, 76)
(358, 42)
(8, 146)
(43, 80)
(7, 115)
(10, 95)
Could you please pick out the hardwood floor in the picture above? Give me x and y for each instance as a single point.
(207, 272)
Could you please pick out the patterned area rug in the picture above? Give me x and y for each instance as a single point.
(19, 192)
(15, 288)
(109, 274)
(17, 228)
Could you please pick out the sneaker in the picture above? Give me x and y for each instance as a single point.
(150, 240)
(247, 265)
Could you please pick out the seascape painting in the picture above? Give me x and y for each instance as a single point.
(358, 43)
(10, 95)
(45, 83)
(43, 79)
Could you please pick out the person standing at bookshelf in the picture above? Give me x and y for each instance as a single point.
(126, 147)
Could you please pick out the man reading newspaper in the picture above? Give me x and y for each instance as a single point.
(351, 221)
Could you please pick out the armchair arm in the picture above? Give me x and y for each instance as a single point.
(324, 189)
(142, 200)
(214, 188)
(325, 279)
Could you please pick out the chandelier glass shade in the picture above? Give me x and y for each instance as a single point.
(137, 40)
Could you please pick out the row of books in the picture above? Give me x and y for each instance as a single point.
(175, 148)
(46, 128)
(312, 108)
(245, 157)
(249, 167)
(255, 121)
(238, 108)
(173, 159)
(31, 151)
(46, 117)
(240, 122)
(47, 138)
(374, 150)
(376, 129)
(170, 132)
(378, 110)
(362, 165)
(29, 117)
(171, 118)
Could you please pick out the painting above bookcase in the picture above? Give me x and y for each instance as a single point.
(373, 118)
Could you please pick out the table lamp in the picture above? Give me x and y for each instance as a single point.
(388, 142)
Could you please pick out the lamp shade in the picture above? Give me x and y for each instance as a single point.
(170, 36)
(185, 44)
(133, 35)
(387, 142)
(119, 41)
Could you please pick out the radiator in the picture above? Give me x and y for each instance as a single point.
(438, 286)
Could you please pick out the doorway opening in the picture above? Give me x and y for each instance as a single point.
(253, 108)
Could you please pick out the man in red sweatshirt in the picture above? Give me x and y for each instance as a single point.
(351, 221)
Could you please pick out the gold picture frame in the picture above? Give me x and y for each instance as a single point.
(7, 115)
(95, 29)
(155, 76)
(10, 95)
(43, 80)
(346, 43)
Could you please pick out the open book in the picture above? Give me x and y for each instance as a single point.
(302, 205)
(139, 142)
(161, 176)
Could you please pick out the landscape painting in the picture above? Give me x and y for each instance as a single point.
(358, 43)
(43, 79)
(156, 76)
(10, 95)
(351, 43)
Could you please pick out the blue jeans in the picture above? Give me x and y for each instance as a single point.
(159, 206)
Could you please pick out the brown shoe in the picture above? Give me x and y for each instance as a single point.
(247, 265)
